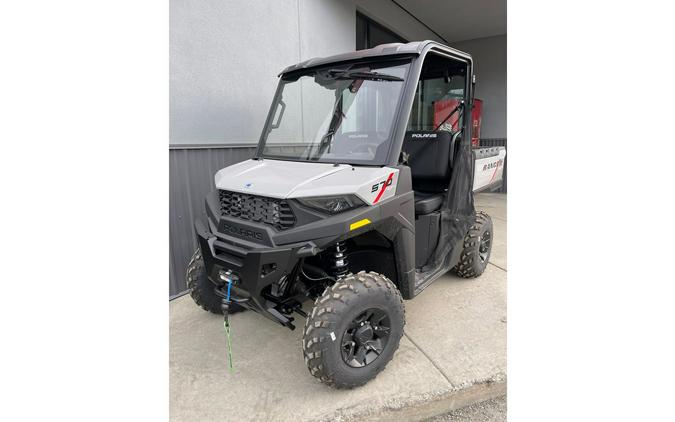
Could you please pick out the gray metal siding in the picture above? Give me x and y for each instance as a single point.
(191, 174)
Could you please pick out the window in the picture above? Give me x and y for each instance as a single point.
(336, 114)
(440, 91)
(370, 33)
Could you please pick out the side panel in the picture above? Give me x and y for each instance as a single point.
(404, 250)
(404, 239)
(380, 187)
(426, 237)
(396, 222)
(488, 167)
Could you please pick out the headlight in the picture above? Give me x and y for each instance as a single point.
(332, 204)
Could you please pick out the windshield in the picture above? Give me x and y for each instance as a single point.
(336, 114)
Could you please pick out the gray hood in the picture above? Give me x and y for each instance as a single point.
(273, 178)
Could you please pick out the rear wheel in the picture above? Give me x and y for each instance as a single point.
(202, 289)
(477, 248)
(353, 330)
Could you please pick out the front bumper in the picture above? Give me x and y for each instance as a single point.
(257, 267)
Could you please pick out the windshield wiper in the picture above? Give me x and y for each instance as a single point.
(325, 140)
(353, 74)
(335, 122)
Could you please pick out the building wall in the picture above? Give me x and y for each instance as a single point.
(387, 14)
(489, 55)
(225, 57)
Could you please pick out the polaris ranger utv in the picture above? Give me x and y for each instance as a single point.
(360, 195)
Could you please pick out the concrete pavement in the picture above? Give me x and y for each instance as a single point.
(493, 410)
(453, 354)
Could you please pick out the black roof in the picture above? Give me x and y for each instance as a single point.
(393, 49)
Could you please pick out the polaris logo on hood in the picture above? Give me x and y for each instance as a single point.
(424, 135)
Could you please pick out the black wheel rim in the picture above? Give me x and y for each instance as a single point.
(365, 338)
(484, 246)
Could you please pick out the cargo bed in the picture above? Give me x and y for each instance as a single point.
(488, 168)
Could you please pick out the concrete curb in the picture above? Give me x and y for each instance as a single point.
(425, 406)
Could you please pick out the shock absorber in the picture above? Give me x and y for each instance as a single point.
(340, 267)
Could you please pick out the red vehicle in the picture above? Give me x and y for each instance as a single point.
(443, 107)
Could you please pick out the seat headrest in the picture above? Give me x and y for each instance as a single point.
(428, 135)
(429, 154)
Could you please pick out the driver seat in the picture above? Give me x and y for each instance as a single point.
(430, 160)
(426, 203)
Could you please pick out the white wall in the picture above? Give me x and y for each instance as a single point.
(489, 55)
(225, 56)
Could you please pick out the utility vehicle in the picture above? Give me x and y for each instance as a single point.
(359, 196)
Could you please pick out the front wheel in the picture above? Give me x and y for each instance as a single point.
(477, 248)
(353, 330)
(202, 290)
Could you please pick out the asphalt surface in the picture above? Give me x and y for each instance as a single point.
(453, 354)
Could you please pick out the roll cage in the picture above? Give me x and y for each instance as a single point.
(416, 52)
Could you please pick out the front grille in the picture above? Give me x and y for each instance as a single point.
(274, 212)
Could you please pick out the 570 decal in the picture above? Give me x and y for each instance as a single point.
(382, 186)
(377, 186)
